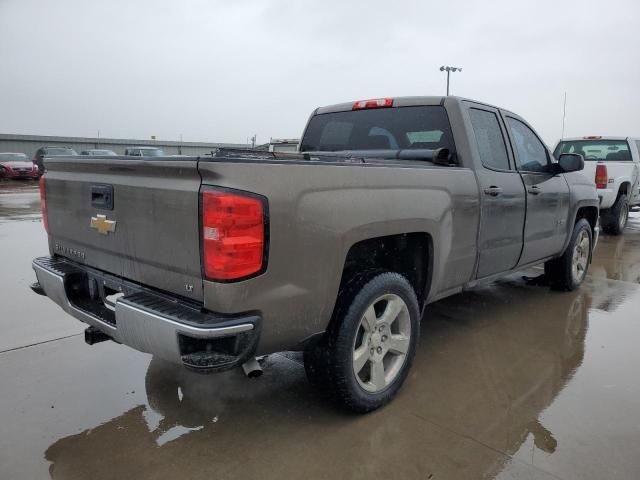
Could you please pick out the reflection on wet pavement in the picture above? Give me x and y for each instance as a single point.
(25, 318)
(510, 381)
(618, 258)
(19, 200)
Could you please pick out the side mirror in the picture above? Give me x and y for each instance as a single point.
(570, 162)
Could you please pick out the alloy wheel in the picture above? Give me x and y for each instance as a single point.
(580, 259)
(382, 342)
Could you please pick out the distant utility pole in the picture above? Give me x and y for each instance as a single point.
(564, 114)
(449, 70)
(253, 141)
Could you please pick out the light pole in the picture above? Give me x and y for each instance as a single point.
(449, 70)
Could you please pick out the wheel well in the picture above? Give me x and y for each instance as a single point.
(624, 188)
(409, 254)
(590, 214)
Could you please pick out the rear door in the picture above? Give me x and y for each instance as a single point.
(134, 218)
(547, 194)
(502, 195)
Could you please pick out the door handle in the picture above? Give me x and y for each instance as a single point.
(534, 190)
(493, 191)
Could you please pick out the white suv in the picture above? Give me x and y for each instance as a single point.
(614, 164)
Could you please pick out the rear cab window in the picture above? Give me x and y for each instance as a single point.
(415, 127)
(600, 150)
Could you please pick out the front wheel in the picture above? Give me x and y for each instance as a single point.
(569, 271)
(369, 348)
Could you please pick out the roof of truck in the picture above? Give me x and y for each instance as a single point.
(397, 102)
(404, 102)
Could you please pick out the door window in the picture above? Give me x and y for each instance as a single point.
(532, 154)
(491, 146)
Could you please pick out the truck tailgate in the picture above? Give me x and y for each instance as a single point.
(149, 235)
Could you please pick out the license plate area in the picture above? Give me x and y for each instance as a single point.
(97, 292)
(88, 294)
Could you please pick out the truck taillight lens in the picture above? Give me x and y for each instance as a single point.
(43, 204)
(601, 176)
(233, 235)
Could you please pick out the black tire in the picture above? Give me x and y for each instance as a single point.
(559, 271)
(330, 364)
(615, 218)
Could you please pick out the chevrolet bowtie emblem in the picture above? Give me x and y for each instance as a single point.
(102, 225)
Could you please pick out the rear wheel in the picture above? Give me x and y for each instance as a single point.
(367, 352)
(569, 271)
(615, 219)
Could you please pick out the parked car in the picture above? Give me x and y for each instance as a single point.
(99, 153)
(144, 152)
(51, 152)
(614, 164)
(17, 165)
(390, 205)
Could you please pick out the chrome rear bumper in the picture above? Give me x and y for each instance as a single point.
(148, 321)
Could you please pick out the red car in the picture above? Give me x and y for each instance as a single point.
(17, 165)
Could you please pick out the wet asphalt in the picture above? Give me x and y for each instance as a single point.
(511, 381)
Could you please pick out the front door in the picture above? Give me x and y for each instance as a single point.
(502, 196)
(546, 226)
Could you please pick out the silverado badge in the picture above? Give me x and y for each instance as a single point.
(102, 225)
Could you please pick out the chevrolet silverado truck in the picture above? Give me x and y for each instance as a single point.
(335, 250)
(614, 164)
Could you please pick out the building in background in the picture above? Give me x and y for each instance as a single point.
(28, 144)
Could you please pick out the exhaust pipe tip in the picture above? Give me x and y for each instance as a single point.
(252, 368)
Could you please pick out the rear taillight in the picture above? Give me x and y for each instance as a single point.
(43, 204)
(601, 176)
(373, 103)
(233, 235)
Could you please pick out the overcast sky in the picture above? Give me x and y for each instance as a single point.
(224, 70)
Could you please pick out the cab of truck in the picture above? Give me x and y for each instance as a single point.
(614, 165)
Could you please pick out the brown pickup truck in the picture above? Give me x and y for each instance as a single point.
(389, 205)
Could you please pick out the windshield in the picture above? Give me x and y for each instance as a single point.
(596, 150)
(53, 152)
(424, 127)
(16, 157)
